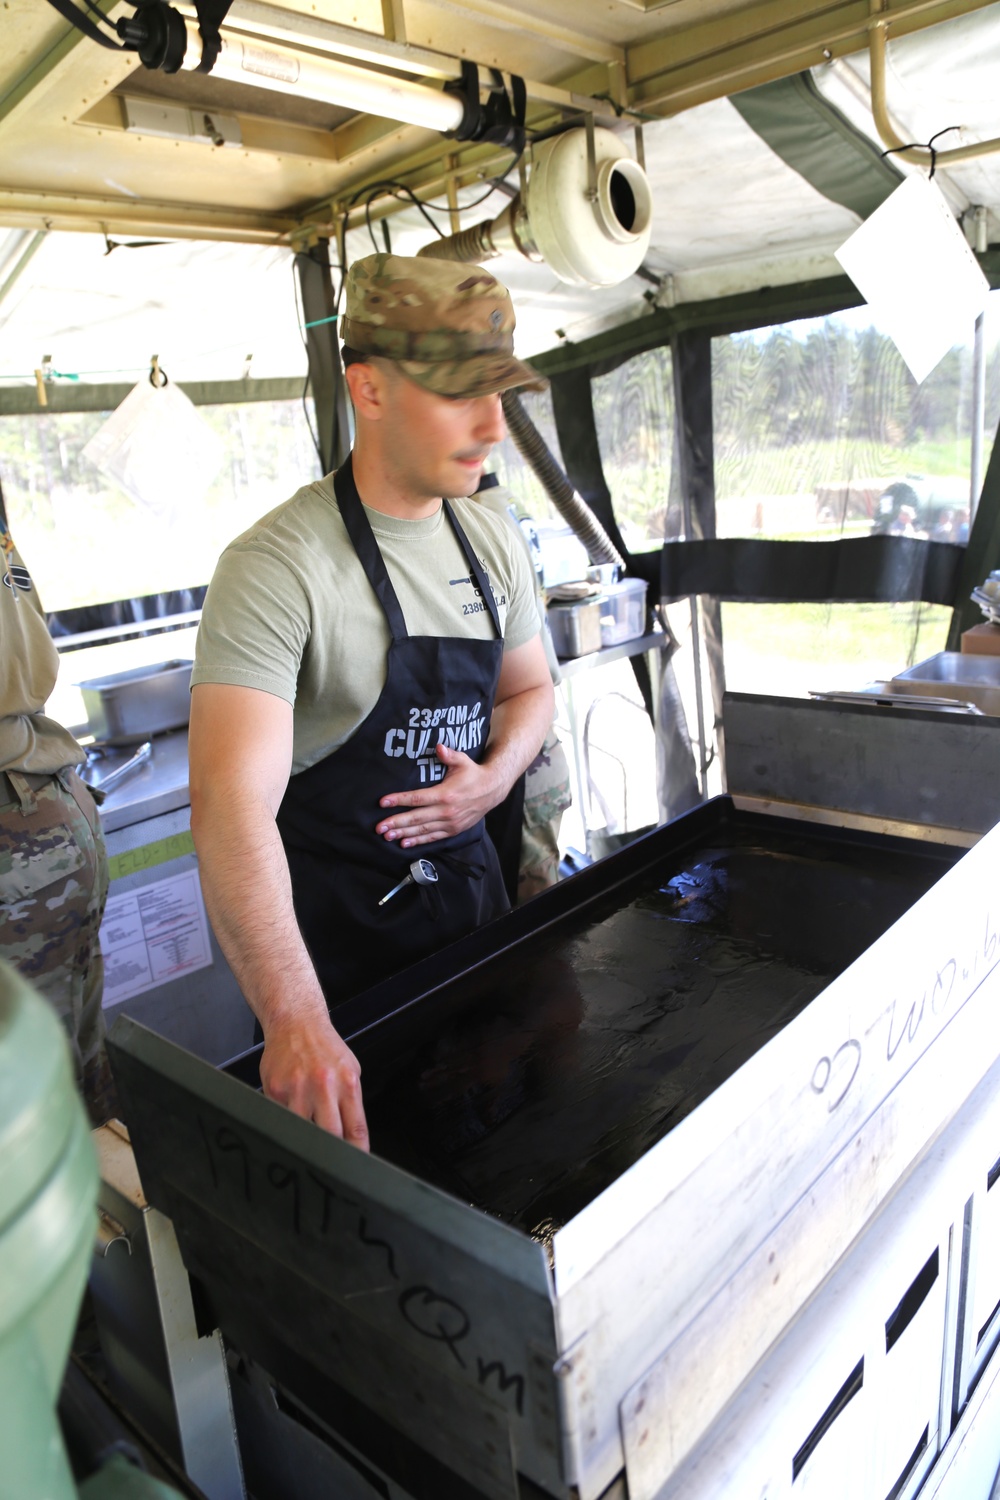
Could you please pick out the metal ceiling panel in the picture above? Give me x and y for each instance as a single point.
(67, 160)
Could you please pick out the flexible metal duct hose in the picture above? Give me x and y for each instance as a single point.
(533, 449)
(469, 245)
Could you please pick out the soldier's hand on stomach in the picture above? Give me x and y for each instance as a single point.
(460, 799)
(522, 714)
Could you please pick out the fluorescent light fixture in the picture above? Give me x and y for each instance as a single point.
(257, 20)
(167, 40)
(288, 70)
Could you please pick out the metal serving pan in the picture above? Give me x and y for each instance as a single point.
(127, 707)
(973, 679)
(576, 627)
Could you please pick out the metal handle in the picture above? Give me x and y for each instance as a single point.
(897, 700)
(144, 753)
(110, 1232)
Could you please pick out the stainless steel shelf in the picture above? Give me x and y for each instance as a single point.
(573, 666)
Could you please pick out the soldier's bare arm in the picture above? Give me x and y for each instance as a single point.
(241, 755)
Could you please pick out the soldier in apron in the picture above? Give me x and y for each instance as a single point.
(370, 682)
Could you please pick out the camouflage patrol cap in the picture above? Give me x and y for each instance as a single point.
(449, 326)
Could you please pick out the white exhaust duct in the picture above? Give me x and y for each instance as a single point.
(589, 221)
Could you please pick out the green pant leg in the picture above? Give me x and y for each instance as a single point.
(53, 886)
(546, 797)
(98, 1088)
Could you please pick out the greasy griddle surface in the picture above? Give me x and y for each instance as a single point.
(526, 1088)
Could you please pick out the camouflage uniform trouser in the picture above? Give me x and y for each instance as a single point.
(546, 798)
(53, 885)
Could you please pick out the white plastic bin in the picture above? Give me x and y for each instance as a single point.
(623, 611)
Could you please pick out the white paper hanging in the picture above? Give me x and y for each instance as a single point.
(158, 449)
(913, 266)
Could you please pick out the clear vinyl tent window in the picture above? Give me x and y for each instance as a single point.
(634, 413)
(634, 417)
(86, 542)
(814, 423)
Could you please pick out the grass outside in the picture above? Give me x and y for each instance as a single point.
(790, 649)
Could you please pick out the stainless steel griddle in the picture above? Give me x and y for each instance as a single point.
(541, 1071)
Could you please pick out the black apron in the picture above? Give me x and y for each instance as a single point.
(437, 689)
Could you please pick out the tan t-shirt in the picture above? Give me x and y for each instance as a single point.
(29, 665)
(289, 610)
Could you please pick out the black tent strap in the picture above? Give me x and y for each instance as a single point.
(694, 437)
(211, 14)
(151, 607)
(320, 301)
(692, 484)
(136, 35)
(573, 410)
(876, 569)
(576, 427)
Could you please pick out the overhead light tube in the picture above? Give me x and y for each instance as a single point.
(287, 70)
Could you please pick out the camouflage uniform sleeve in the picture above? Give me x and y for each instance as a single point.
(546, 797)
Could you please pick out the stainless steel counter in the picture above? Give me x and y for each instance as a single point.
(159, 786)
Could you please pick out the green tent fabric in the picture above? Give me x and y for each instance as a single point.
(815, 139)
